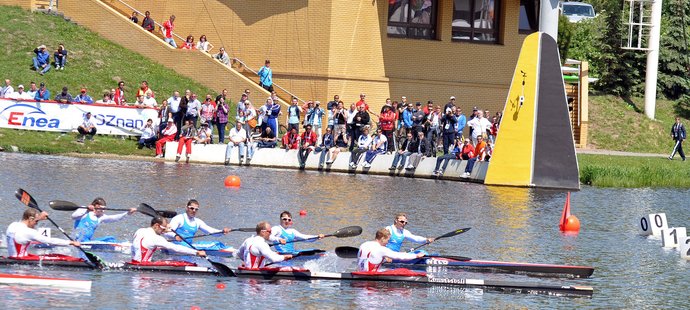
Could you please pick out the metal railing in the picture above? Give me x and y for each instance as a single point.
(160, 26)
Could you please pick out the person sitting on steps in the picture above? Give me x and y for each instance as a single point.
(86, 128)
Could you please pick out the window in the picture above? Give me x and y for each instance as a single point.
(476, 20)
(412, 18)
(529, 16)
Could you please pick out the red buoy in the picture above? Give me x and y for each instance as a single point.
(232, 181)
(195, 308)
(569, 223)
(303, 212)
(220, 286)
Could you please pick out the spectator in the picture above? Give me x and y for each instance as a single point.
(467, 151)
(307, 144)
(267, 139)
(292, 117)
(314, 117)
(106, 99)
(418, 118)
(148, 22)
(327, 143)
(83, 97)
(164, 115)
(87, 128)
(187, 135)
(333, 102)
(450, 104)
(480, 126)
(64, 96)
(193, 110)
(407, 118)
(250, 116)
(221, 118)
(362, 102)
(434, 129)
(445, 159)
(462, 122)
(237, 137)
(41, 60)
(363, 144)
(678, 134)
(148, 135)
(31, 93)
(419, 150)
(266, 76)
(149, 101)
(379, 145)
(361, 120)
(340, 145)
(167, 29)
(60, 57)
(387, 123)
(274, 113)
(253, 143)
(483, 154)
(206, 112)
(174, 103)
(340, 117)
(43, 93)
(351, 130)
(405, 149)
(6, 90)
(291, 140)
(167, 134)
(189, 43)
(203, 44)
(203, 135)
(140, 102)
(222, 56)
(182, 111)
(135, 17)
(449, 122)
(20, 94)
(144, 88)
(119, 95)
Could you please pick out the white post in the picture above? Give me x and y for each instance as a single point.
(548, 18)
(652, 61)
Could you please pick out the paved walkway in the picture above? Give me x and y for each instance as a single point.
(617, 153)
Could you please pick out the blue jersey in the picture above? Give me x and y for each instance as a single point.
(288, 247)
(396, 240)
(187, 231)
(85, 227)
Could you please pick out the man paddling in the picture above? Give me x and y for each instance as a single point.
(19, 235)
(255, 252)
(186, 224)
(285, 234)
(372, 254)
(400, 234)
(148, 240)
(87, 220)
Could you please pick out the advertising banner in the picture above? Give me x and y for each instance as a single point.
(53, 116)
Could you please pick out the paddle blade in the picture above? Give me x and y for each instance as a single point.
(346, 252)
(95, 260)
(249, 230)
(26, 199)
(146, 209)
(454, 257)
(349, 231)
(62, 205)
(165, 213)
(222, 269)
(453, 233)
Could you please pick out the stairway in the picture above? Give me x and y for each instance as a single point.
(45, 5)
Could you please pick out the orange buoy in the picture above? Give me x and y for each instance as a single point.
(303, 212)
(232, 181)
(572, 224)
(195, 308)
(220, 286)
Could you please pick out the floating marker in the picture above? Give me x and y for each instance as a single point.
(569, 223)
(671, 237)
(303, 212)
(652, 224)
(685, 248)
(232, 181)
(220, 286)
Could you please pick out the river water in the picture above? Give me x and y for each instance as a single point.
(509, 224)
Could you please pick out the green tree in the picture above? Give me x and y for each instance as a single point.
(673, 55)
(565, 34)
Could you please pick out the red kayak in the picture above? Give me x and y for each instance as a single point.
(6, 278)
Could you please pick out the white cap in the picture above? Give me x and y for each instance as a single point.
(452, 97)
(20, 86)
(404, 97)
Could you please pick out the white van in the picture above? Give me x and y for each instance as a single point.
(576, 11)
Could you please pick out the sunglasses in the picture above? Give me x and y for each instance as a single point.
(403, 222)
(193, 209)
(286, 219)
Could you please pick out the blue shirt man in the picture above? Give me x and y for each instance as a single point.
(42, 59)
(266, 76)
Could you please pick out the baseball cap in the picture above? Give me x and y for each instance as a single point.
(418, 103)
(83, 90)
(452, 97)
(20, 86)
(43, 84)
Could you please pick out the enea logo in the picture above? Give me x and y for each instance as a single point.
(28, 116)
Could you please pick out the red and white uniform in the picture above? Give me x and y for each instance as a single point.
(168, 27)
(255, 252)
(147, 241)
(19, 237)
(371, 255)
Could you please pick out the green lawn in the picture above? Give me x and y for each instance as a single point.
(627, 171)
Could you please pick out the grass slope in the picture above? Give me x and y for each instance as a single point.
(633, 172)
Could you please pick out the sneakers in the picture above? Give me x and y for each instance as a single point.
(670, 158)
(366, 165)
(329, 162)
(62, 68)
(353, 165)
(227, 162)
(159, 156)
(177, 158)
(187, 161)
(391, 168)
(400, 167)
(466, 175)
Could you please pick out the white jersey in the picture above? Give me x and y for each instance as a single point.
(254, 252)
(19, 237)
(147, 241)
(371, 255)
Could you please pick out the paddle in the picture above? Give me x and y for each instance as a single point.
(62, 205)
(303, 253)
(30, 202)
(222, 269)
(252, 229)
(446, 235)
(344, 232)
(352, 252)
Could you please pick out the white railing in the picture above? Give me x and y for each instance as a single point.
(160, 26)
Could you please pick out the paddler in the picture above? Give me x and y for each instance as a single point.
(148, 240)
(374, 253)
(400, 234)
(285, 234)
(255, 252)
(19, 235)
(87, 220)
(187, 224)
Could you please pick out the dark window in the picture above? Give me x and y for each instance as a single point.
(476, 20)
(412, 18)
(529, 16)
